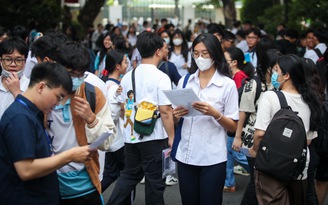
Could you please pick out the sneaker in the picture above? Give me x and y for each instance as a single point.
(142, 180)
(240, 170)
(230, 189)
(170, 180)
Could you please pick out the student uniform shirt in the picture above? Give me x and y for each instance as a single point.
(179, 61)
(22, 136)
(149, 84)
(203, 139)
(269, 105)
(6, 98)
(115, 108)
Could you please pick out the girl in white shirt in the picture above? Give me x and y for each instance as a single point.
(202, 151)
(116, 64)
(297, 84)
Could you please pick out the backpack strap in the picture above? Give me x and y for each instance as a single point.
(258, 88)
(160, 64)
(318, 52)
(177, 136)
(167, 68)
(90, 93)
(185, 80)
(134, 86)
(282, 100)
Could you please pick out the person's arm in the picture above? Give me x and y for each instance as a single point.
(167, 119)
(29, 169)
(237, 142)
(258, 136)
(96, 124)
(226, 122)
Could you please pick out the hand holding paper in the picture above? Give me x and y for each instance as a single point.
(100, 140)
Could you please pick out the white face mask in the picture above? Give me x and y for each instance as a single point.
(177, 41)
(167, 40)
(203, 63)
(6, 74)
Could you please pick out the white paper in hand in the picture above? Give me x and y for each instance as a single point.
(101, 139)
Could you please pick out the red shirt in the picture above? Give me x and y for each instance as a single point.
(238, 78)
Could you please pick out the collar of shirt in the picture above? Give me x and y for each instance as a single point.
(30, 106)
(65, 109)
(216, 78)
(114, 80)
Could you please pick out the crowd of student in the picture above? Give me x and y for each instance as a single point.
(59, 94)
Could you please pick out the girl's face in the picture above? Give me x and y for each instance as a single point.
(123, 66)
(108, 42)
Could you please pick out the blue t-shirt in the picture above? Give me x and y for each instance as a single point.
(22, 136)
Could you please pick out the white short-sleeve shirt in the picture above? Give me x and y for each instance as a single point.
(6, 98)
(179, 61)
(203, 139)
(149, 84)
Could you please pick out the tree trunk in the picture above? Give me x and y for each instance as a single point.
(89, 12)
(229, 12)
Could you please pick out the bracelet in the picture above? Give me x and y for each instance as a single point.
(94, 123)
(218, 119)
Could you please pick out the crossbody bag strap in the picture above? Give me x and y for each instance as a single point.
(134, 87)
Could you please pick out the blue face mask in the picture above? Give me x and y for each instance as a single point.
(274, 80)
(77, 82)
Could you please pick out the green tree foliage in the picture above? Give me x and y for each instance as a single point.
(272, 13)
(22, 12)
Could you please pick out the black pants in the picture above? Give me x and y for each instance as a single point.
(114, 164)
(249, 197)
(311, 196)
(141, 159)
(201, 185)
(92, 198)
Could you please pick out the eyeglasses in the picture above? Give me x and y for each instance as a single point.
(75, 74)
(59, 97)
(203, 54)
(9, 61)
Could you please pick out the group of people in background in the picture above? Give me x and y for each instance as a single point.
(58, 94)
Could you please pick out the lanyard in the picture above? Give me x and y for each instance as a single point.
(46, 133)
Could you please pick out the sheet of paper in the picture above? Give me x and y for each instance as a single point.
(245, 151)
(183, 97)
(101, 139)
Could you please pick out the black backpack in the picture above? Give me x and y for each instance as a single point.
(321, 142)
(282, 152)
(322, 65)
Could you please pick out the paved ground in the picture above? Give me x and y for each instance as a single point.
(172, 196)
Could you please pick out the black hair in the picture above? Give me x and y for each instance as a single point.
(238, 55)
(213, 47)
(214, 28)
(53, 73)
(113, 58)
(148, 43)
(164, 20)
(4, 31)
(321, 34)
(103, 50)
(301, 72)
(120, 44)
(241, 33)
(8, 45)
(20, 31)
(292, 33)
(184, 45)
(254, 30)
(47, 45)
(268, 60)
(167, 32)
(73, 55)
(129, 93)
(227, 35)
(262, 46)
